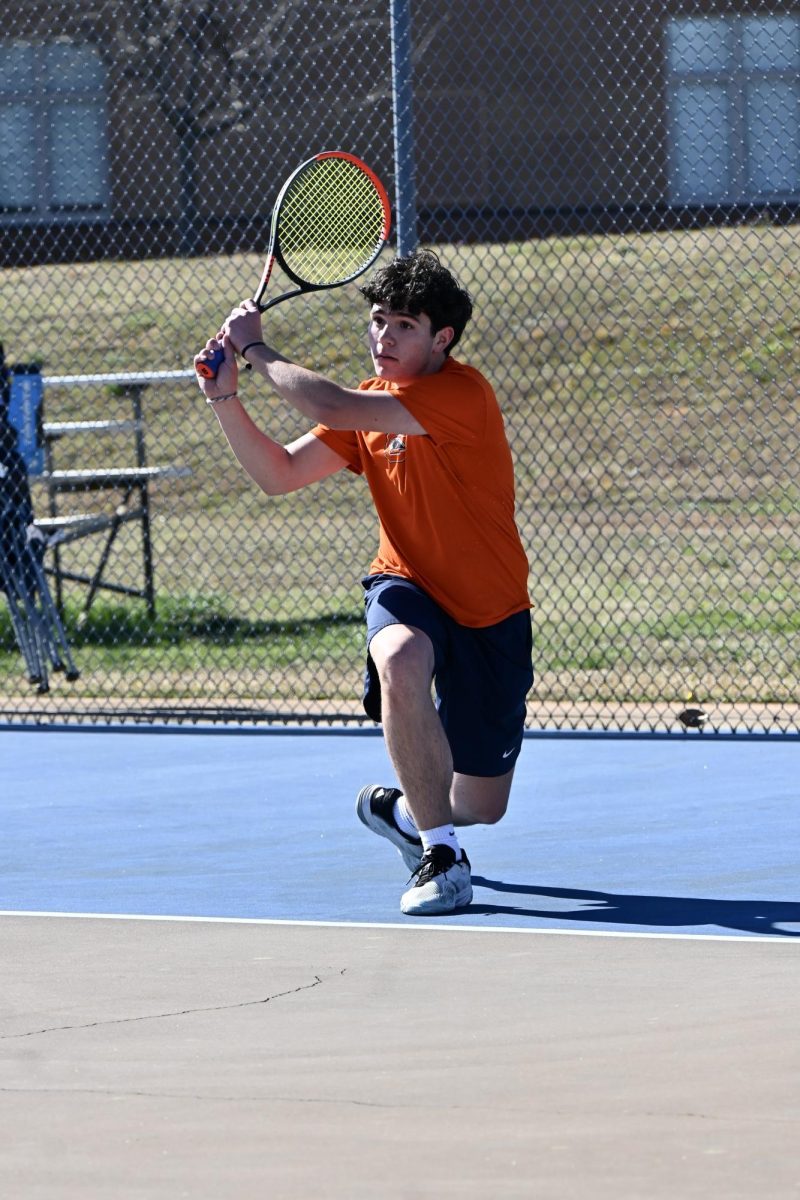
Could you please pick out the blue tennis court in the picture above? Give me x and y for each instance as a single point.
(604, 833)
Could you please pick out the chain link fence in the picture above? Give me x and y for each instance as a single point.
(616, 185)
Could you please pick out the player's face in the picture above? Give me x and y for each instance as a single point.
(404, 346)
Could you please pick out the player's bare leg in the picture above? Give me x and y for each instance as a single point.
(417, 745)
(414, 737)
(480, 799)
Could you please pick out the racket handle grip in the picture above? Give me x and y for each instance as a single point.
(209, 368)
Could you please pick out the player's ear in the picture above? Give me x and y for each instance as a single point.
(443, 338)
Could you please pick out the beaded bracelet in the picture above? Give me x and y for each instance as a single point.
(218, 399)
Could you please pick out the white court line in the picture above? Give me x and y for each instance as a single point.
(434, 926)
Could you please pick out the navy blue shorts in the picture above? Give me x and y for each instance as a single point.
(481, 676)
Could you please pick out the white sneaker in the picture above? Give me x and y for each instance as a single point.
(375, 806)
(440, 884)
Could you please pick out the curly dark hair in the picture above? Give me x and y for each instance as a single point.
(419, 283)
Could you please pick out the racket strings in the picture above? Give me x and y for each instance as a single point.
(331, 222)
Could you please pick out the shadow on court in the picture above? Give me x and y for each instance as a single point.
(609, 908)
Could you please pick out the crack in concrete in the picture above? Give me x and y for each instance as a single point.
(210, 1098)
(184, 1012)
(339, 1101)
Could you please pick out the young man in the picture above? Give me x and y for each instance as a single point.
(446, 595)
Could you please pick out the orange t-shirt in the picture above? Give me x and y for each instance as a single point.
(445, 501)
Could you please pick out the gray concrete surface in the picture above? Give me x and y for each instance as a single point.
(229, 1060)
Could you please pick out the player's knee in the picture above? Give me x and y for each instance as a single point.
(404, 666)
(480, 810)
(480, 801)
(491, 811)
(400, 681)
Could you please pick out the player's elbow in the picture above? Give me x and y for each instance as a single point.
(325, 412)
(281, 483)
(332, 407)
(277, 477)
(272, 487)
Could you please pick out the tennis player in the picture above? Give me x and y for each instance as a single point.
(447, 607)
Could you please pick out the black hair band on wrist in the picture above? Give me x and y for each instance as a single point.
(249, 346)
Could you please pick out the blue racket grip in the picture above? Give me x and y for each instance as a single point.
(209, 368)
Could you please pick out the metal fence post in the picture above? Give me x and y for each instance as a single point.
(403, 118)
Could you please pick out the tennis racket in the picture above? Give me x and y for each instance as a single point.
(329, 224)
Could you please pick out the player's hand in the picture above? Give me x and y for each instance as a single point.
(226, 379)
(243, 326)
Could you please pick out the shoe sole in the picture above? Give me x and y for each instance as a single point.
(410, 855)
(435, 906)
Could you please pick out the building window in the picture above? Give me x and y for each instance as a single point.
(733, 109)
(53, 135)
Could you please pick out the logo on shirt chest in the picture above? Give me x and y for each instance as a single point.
(395, 447)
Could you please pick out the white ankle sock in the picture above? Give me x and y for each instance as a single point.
(403, 818)
(442, 835)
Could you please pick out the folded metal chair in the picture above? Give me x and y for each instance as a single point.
(37, 626)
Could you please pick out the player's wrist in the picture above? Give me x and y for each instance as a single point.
(214, 400)
(250, 346)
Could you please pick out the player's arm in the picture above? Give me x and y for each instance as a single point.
(312, 394)
(275, 468)
(327, 402)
